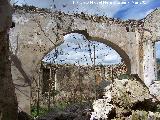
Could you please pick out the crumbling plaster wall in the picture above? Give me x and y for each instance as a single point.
(38, 31)
(151, 34)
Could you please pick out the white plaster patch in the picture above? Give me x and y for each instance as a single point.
(30, 42)
(155, 89)
(13, 40)
(49, 25)
(149, 63)
(20, 19)
(101, 109)
(102, 26)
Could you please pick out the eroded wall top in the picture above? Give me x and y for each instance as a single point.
(38, 31)
(152, 24)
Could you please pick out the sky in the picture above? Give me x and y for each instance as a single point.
(157, 45)
(78, 50)
(122, 9)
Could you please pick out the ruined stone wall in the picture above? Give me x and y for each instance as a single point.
(72, 80)
(150, 33)
(150, 36)
(38, 31)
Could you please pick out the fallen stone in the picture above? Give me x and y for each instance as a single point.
(125, 97)
(102, 109)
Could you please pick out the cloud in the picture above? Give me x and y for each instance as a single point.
(157, 45)
(37, 3)
(139, 11)
(72, 52)
(117, 9)
(111, 58)
(79, 6)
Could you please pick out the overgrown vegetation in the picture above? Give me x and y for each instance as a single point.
(73, 85)
(123, 76)
(158, 61)
(62, 110)
(140, 115)
(42, 111)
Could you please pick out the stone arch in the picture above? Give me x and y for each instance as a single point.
(83, 32)
(119, 50)
(34, 44)
(109, 43)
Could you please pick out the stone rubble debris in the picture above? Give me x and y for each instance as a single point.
(129, 99)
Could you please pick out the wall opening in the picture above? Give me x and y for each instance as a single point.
(78, 70)
(77, 52)
(157, 47)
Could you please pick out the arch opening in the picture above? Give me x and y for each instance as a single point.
(81, 67)
(77, 50)
(92, 40)
(157, 51)
(120, 51)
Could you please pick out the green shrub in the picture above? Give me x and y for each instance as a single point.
(42, 111)
(123, 76)
(139, 115)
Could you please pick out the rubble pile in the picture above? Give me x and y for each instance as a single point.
(130, 99)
